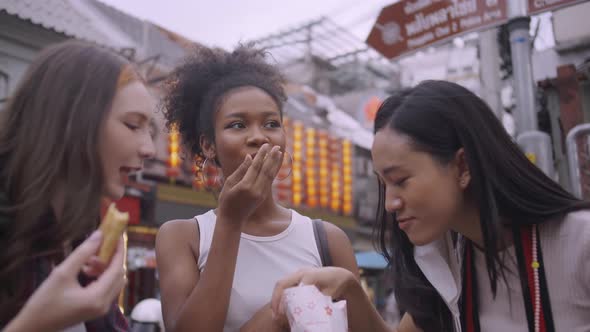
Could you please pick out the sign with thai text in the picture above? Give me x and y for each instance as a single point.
(409, 25)
(539, 6)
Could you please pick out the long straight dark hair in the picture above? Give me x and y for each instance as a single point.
(48, 142)
(439, 118)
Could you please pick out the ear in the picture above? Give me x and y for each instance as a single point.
(207, 146)
(463, 173)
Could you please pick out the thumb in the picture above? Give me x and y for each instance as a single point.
(83, 252)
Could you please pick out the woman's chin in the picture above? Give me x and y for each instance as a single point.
(418, 239)
(115, 192)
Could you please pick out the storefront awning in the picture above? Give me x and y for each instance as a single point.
(370, 260)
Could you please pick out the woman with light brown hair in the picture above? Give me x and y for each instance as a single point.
(74, 129)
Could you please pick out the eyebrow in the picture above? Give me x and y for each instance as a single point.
(244, 114)
(141, 114)
(391, 169)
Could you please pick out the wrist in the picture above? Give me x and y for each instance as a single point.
(21, 324)
(352, 288)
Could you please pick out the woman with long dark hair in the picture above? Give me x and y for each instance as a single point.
(478, 237)
(74, 129)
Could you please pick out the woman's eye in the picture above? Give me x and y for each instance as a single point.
(273, 124)
(400, 182)
(131, 126)
(236, 125)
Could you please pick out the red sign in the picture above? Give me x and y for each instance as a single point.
(539, 6)
(129, 204)
(409, 25)
(132, 206)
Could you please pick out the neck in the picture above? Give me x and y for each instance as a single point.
(468, 224)
(267, 211)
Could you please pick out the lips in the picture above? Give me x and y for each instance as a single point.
(405, 222)
(129, 170)
(404, 219)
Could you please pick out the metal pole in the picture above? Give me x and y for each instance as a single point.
(489, 56)
(573, 158)
(537, 147)
(534, 143)
(520, 45)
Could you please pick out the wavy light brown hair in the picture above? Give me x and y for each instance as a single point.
(49, 146)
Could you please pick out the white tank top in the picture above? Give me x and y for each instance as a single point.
(262, 261)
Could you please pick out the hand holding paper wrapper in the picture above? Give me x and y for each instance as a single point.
(308, 310)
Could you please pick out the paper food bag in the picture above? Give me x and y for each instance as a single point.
(308, 310)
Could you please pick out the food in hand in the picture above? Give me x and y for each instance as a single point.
(112, 227)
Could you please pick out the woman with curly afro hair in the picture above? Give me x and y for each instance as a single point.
(217, 270)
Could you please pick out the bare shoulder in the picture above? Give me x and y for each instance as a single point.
(178, 232)
(340, 248)
(184, 227)
(335, 233)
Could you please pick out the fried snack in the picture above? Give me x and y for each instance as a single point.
(112, 227)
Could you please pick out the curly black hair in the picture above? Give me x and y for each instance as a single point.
(196, 88)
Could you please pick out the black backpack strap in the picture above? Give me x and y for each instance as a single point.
(321, 240)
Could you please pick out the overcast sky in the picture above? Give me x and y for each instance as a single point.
(226, 22)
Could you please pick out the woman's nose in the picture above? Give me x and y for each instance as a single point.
(147, 149)
(392, 201)
(257, 137)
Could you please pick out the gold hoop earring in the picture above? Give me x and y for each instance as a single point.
(206, 171)
(197, 180)
(290, 168)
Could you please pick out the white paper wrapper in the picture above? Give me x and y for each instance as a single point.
(308, 310)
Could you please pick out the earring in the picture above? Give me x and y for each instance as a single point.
(290, 168)
(207, 171)
(198, 183)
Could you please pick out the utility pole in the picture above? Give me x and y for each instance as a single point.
(489, 56)
(534, 143)
(520, 46)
